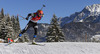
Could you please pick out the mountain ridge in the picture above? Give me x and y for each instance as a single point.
(88, 11)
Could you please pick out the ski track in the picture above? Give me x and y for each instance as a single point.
(51, 48)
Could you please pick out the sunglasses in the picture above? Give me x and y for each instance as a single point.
(41, 14)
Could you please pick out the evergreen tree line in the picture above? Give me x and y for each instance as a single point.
(9, 26)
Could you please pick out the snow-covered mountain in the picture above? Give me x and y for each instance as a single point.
(90, 13)
(93, 8)
(51, 48)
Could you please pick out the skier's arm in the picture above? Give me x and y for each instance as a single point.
(30, 14)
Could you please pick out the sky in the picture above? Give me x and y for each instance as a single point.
(61, 8)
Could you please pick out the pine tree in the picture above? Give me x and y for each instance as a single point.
(9, 25)
(55, 33)
(16, 25)
(3, 28)
(8, 18)
(2, 13)
(4, 31)
(1, 19)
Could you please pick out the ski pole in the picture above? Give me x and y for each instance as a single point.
(21, 16)
(42, 7)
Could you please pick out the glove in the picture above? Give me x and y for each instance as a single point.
(26, 18)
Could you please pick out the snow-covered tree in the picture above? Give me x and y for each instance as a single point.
(1, 19)
(4, 31)
(55, 33)
(2, 13)
(9, 26)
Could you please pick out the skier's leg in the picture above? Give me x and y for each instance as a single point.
(35, 30)
(35, 33)
(25, 29)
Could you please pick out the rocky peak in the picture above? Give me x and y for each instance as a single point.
(93, 8)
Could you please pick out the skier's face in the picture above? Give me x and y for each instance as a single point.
(40, 15)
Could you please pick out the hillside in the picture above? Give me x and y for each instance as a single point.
(51, 48)
(77, 31)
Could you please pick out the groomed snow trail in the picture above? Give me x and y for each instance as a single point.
(51, 48)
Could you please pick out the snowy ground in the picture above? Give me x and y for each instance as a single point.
(51, 48)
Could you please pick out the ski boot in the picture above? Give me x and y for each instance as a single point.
(19, 36)
(33, 40)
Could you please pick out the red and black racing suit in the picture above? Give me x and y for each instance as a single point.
(32, 22)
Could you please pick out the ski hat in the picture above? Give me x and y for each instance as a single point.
(40, 11)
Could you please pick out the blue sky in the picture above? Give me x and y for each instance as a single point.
(61, 8)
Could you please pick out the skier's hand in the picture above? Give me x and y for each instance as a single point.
(26, 18)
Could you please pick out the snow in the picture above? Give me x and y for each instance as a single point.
(81, 20)
(94, 8)
(95, 38)
(51, 48)
(1, 40)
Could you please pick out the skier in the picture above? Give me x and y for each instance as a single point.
(33, 23)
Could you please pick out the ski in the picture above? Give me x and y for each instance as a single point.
(8, 44)
(37, 44)
(12, 42)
